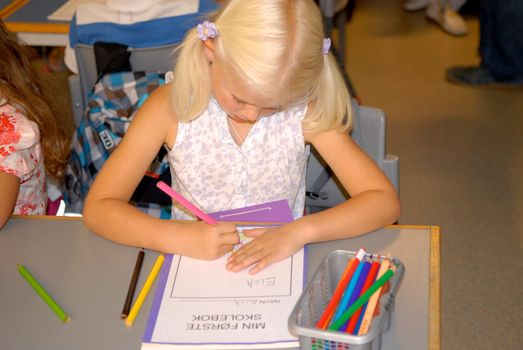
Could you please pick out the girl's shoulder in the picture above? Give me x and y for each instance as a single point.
(157, 114)
(158, 104)
(17, 132)
(20, 151)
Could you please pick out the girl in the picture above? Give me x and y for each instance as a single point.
(28, 130)
(251, 88)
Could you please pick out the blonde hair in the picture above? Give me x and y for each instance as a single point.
(273, 46)
(19, 84)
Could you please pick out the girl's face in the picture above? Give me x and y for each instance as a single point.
(241, 103)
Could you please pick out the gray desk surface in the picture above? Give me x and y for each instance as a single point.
(89, 276)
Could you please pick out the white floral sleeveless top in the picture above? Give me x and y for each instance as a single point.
(209, 169)
(21, 156)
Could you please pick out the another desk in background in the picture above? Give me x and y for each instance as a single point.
(89, 277)
(28, 19)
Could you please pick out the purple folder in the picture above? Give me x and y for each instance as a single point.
(277, 211)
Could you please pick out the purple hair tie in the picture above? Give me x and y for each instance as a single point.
(207, 30)
(326, 45)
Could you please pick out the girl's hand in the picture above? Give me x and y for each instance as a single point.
(208, 242)
(270, 245)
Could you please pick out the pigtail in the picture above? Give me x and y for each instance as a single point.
(329, 100)
(192, 83)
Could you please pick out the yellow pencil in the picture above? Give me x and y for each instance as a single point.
(145, 290)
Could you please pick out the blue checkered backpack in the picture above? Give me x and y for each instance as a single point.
(110, 108)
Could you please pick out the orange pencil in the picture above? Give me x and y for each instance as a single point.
(373, 301)
(326, 317)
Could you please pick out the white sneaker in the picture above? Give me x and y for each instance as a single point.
(415, 5)
(448, 19)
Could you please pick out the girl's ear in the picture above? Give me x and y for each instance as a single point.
(208, 49)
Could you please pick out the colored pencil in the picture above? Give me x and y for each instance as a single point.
(340, 288)
(342, 306)
(359, 285)
(339, 322)
(132, 285)
(145, 290)
(371, 277)
(188, 205)
(43, 294)
(373, 301)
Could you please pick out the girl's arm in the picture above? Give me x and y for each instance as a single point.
(373, 204)
(373, 199)
(9, 186)
(107, 210)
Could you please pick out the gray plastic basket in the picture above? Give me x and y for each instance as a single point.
(316, 297)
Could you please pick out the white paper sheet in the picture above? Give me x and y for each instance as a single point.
(204, 306)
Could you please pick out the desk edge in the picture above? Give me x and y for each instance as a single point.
(29, 27)
(47, 217)
(434, 289)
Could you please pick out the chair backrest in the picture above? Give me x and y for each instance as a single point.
(369, 131)
(160, 58)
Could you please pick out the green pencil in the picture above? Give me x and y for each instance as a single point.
(338, 323)
(43, 294)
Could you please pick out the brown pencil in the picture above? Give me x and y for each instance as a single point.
(132, 285)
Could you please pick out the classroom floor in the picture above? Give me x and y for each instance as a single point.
(461, 161)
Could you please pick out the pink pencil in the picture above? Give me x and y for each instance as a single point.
(179, 198)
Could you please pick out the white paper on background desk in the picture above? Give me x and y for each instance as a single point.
(204, 306)
(66, 11)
